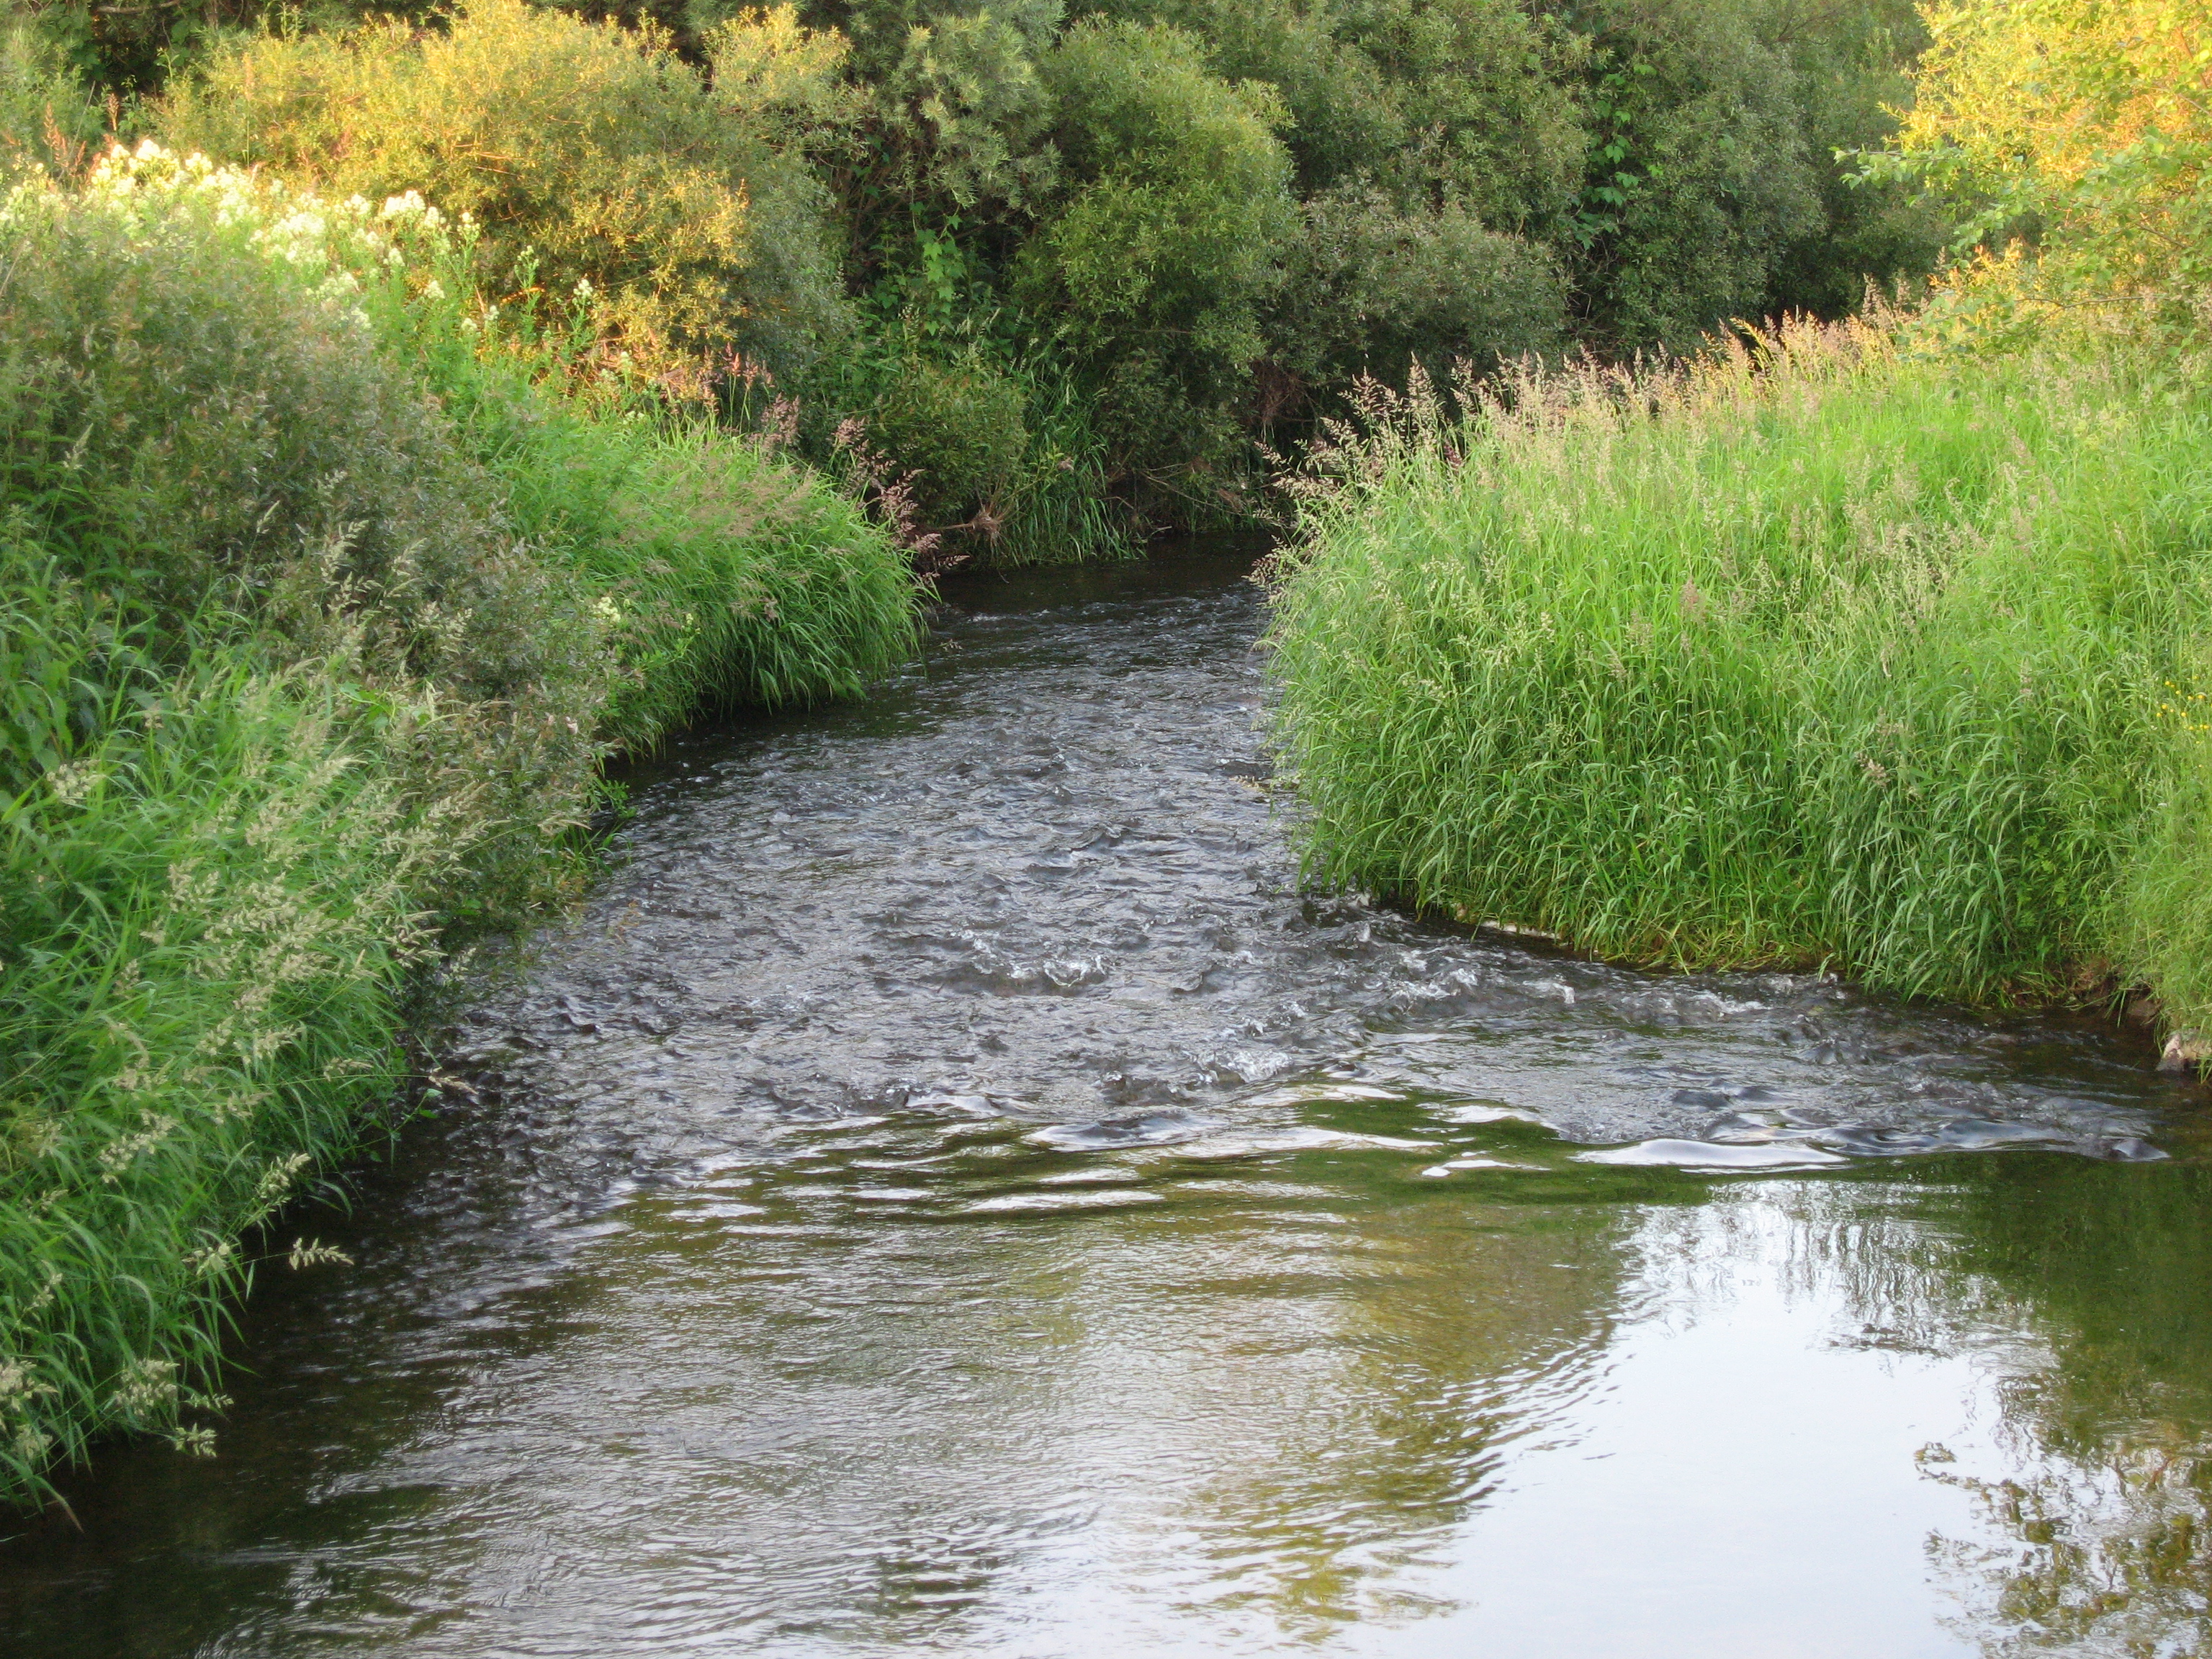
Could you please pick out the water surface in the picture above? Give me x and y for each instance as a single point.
(951, 1191)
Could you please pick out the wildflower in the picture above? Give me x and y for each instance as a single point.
(214, 1260)
(73, 784)
(146, 1385)
(18, 1385)
(276, 1180)
(118, 1154)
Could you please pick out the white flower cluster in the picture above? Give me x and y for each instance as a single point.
(331, 245)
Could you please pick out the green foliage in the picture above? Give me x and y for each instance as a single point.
(1852, 61)
(1373, 288)
(954, 111)
(587, 153)
(1465, 102)
(1700, 176)
(1159, 261)
(989, 441)
(722, 576)
(960, 424)
(1807, 654)
(195, 411)
(300, 675)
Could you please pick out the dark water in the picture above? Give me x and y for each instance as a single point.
(951, 1192)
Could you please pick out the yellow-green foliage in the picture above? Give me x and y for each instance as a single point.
(586, 153)
(2085, 125)
(1805, 652)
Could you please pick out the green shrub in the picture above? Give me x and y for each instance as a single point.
(1807, 653)
(949, 113)
(1158, 262)
(587, 153)
(960, 426)
(1372, 288)
(1466, 102)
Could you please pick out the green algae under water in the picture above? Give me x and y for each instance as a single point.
(950, 1192)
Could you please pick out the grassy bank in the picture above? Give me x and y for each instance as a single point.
(323, 592)
(1811, 651)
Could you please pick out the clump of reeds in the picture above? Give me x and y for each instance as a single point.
(1808, 651)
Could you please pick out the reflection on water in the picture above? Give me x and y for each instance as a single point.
(2099, 1539)
(950, 1192)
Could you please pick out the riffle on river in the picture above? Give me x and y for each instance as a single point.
(951, 1191)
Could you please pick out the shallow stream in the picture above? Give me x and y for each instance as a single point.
(950, 1191)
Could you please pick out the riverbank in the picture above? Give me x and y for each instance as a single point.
(1815, 651)
(321, 610)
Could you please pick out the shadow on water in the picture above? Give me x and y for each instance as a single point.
(950, 1191)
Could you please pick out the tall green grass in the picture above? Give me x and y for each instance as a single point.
(720, 572)
(1808, 651)
(723, 575)
(209, 899)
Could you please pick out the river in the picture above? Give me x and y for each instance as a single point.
(950, 1191)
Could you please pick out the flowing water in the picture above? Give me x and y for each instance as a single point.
(950, 1191)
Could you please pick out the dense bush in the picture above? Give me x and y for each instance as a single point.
(960, 425)
(1161, 256)
(1373, 288)
(1176, 226)
(1807, 653)
(586, 153)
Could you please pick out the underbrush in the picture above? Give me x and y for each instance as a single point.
(1809, 652)
(306, 674)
